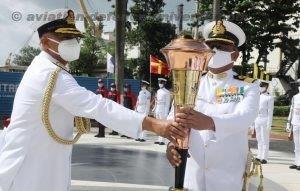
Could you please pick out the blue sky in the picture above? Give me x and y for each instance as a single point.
(15, 34)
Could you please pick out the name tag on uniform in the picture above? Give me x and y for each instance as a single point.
(229, 94)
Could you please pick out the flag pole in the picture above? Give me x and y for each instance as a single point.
(150, 76)
(107, 79)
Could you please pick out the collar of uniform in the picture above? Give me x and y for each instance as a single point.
(265, 93)
(53, 60)
(48, 56)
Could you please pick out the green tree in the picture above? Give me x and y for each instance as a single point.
(26, 56)
(266, 24)
(92, 55)
(150, 34)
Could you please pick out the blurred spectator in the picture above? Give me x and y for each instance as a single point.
(114, 95)
(102, 90)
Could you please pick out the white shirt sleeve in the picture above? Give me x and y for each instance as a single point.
(148, 103)
(83, 103)
(244, 115)
(291, 110)
(270, 112)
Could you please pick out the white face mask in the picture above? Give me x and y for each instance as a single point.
(144, 88)
(125, 89)
(220, 59)
(68, 50)
(100, 85)
(262, 89)
(112, 89)
(161, 85)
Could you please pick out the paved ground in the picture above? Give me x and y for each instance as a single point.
(115, 163)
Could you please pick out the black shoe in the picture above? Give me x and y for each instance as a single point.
(142, 140)
(257, 159)
(161, 143)
(137, 139)
(293, 166)
(263, 161)
(156, 142)
(99, 136)
(298, 167)
(123, 136)
(114, 133)
(128, 137)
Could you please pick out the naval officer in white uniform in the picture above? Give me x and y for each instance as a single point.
(294, 126)
(263, 122)
(143, 105)
(225, 108)
(162, 105)
(32, 158)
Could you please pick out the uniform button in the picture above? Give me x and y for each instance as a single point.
(206, 168)
(205, 145)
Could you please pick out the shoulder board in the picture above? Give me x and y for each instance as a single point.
(245, 79)
(249, 80)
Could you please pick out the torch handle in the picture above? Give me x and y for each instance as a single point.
(180, 170)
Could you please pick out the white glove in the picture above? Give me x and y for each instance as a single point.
(288, 127)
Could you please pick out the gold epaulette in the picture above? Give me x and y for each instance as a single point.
(245, 79)
(249, 80)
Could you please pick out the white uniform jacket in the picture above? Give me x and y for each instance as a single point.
(30, 160)
(218, 158)
(162, 104)
(265, 112)
(294, 116)
(143, 102)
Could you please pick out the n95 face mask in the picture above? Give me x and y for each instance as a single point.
(220, 59)
(68, 50)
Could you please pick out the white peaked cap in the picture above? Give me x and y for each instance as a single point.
(232, 31)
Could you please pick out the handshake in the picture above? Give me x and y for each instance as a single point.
(178, 128)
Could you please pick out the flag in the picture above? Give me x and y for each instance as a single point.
(158, 67)
(110, 63)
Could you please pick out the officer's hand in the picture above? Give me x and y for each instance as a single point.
(173, 131)
(190, 118)
(172, 155)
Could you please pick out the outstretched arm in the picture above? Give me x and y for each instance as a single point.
(81, 102)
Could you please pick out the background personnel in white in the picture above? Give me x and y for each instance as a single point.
(263, 122)
(225, 108)
(143, 105)
(31, 160)
(162, 105)
(294, 125)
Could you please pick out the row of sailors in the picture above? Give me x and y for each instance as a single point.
(141, 103)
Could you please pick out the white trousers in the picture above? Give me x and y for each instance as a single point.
(296, 137)
(263, 141)
(143, 135)
(159, 115)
